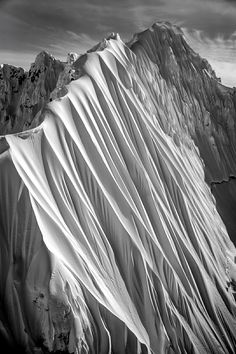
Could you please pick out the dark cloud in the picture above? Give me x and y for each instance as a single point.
(28, 26)
(93, 16)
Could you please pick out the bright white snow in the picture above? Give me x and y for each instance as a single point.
(110, 239)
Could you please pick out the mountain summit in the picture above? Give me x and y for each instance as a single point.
(111, 238)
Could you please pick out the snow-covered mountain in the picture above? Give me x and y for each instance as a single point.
(111, 239)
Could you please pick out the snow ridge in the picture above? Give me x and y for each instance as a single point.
(111, 241)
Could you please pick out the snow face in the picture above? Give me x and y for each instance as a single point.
(110, 237)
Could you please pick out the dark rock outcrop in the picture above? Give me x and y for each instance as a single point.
(24, 94)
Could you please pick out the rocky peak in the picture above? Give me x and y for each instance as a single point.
(23, 94)
(194, 85)
(44, 57)
(169, 50)
(71, 58)
(201, 105)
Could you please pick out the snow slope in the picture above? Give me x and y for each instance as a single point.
(110, 237)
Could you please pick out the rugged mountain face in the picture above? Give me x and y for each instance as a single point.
(23, 94)
(110, 237)
(195, 103)
(205, 108)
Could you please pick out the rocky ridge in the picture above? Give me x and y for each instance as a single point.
(24, 94)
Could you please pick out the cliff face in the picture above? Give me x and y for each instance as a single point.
(11, 85)
(195, 102)
(110, 236)
(205, 108)
(24, 94)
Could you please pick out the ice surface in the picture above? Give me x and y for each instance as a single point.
(110, 237)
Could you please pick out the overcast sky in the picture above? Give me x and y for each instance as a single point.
(60, 26)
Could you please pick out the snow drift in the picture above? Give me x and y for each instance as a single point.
(110, 237)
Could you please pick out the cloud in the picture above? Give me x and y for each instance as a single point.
(12, 57)
(30, 25)
(220, 47)
(3, 2)
(220, 52)
(72, 42)
(225, 70)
